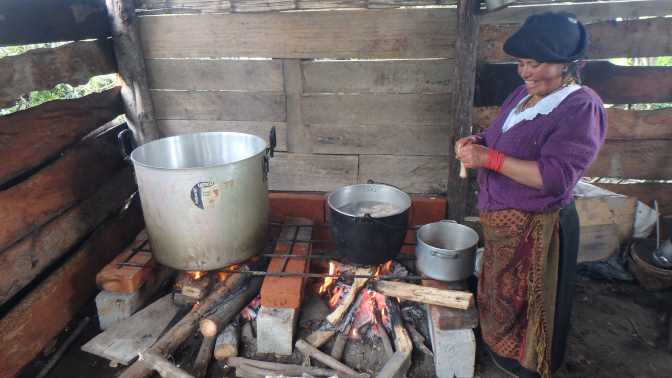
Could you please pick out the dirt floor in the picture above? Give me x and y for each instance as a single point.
(618, 330)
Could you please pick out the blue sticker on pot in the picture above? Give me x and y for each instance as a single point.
(206, 195)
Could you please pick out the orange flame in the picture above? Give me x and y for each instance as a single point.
(334, 298)
(329, 280)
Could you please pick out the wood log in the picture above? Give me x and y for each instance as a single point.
(422, 294)
(319, 338)
(283, 368)
(131, 62)
(397, 366)
(387, 344)
(41, 315)
(402, 340)
(418, 339)
(163, 367)
(339, 344)
(199, 287)
(204, 356)
(356, 287)
(227, 342)
(214, 322)
(246, 333)
(309, 350)
(185, 327)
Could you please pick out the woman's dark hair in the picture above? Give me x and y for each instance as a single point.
(573, 70)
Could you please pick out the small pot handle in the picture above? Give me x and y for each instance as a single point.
(371, 182)
(126, 143)
(441, 255)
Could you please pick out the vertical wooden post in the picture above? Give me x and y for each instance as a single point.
(298, 135)
(463, 99)
(131, 66)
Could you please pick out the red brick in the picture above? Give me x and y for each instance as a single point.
(446, 318)
(427, 210)
(283, 205)
(127, 279)
(287, 292)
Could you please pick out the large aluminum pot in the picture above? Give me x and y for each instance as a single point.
(204, 198)
(373, 237)
(446, 251)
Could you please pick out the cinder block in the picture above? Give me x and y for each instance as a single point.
(275, 329)
(454, 351)
(114, 307)
(287, 292)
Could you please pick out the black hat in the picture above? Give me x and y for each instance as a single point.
(549, 37)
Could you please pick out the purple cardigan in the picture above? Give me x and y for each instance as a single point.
(563, 142)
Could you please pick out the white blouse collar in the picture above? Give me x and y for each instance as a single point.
(545, 106)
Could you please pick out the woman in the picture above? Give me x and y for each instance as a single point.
(546, 135)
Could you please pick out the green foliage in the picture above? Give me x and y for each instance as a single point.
(658, 62)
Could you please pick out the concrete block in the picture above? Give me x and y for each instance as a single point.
(454, 351)
(115, 307)
(275, 329)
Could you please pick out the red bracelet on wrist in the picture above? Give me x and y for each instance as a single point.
(495, 161)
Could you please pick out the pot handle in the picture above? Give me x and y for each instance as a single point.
(272, 141)
(443, 256)
(371, 182)
(126, 143)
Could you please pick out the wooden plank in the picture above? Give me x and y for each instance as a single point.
(637, 159)
(377, 109)
(380, 34)
(219, 106)
(298, 133)
(39, 317)
(121, 342)
(41, 69)
(27, 206)
(52, 21)
(623, 124)
(380, 140)
(50, 128)
(412, 174)
(608, 210)
(27, 258)
(173, 127)
(630, 38)
(365, 76)
(598, 242)
(311, 173)
(214, 75)
(615, 84)
(586, 13)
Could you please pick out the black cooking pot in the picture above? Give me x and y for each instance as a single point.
(369, 222)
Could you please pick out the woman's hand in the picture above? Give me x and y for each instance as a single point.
(463, 142)
(470, 154)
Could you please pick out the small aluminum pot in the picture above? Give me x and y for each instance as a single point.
(446, 251)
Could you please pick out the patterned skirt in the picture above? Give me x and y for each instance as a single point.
(517, 285)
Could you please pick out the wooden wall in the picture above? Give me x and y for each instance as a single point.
(383, 116)
(63, 181)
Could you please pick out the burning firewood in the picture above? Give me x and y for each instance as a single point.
(423, 294)
(198, 287)
(227, 342)
(356, 287)
(213, 323)
(402, 340)
(321, 336)
(418, 339)
(385, 338)
(204, 356)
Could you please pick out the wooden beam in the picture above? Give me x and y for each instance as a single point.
(319, 173)
(39, 317)
(32, 203)
(52, 21)
(412, 174)
(637, 159)
(298, 133)
(131, 62)
(219, 106)
(28, 257)
(466, 42)
(50, 128)
(41, 69)
(424, 294)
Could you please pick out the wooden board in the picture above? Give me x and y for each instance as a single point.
(622, 124)
(219, 74)
(25, 22)
(30, 256)
(381, 34)
(32, 203)
(41, 316)
(41, 69)
(52, 128)
(412, 174)
(311, 173)
(637, 159)
(615, 84)
(630, 38)
(605, 210)
(598, 242)
(380, 140)
(391, 76)
(173, 127)
(219, 106)
(121, 342)
(377, 109)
